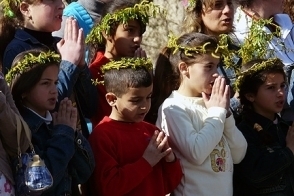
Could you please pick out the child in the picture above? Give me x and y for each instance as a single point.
(215, 17)
(67, 154)
(267, 168)
(196, 116)
(8, 141)
(35, 21)
(132, 156)
(120, 30)
(263, 29)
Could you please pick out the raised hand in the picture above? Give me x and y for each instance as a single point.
(140, 53)
(72, 46)
(170, 157)
(66, 115)
(156, 148)
(220, 95)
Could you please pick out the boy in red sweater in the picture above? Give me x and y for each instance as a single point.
(132, 156)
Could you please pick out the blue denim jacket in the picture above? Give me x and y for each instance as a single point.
(22, 41)
(268, 166)
(66, 153)
(71, 78)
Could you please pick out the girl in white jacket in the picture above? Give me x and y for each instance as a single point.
(196, 115)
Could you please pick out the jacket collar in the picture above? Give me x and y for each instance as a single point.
(25, 37)
(33, 120)
(253, 117)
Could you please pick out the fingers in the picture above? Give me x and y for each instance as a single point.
(154, 137)
(74, 117)
(140, 53)
(159, 138)
(74, 114)
(54, 117)
(62, 108)
(71, 30)
(75, 30)
(216, 85)
(68, 109)
(67, 114)
(65, 36)
(227, 96)
(81, 38)
(60, 44)
(72, 48)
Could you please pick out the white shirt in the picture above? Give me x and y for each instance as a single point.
(206, 143)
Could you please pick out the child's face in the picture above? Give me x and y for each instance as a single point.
(43, 95)
(201, 75)
(45, 15)
(126, 40)
(133, 105)
(270, 97)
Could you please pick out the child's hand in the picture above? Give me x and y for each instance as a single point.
(140, 53)
(155, 150)
(66, 115)
(72, 46)
(220, 95)
(170, 157)
(290, 138)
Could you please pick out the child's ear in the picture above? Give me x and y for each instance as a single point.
(250, 97)
(24, 9)
(183, 68)
(111, 99)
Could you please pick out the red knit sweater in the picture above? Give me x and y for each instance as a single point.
(103, 108)
(120, 168)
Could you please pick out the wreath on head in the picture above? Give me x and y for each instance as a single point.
(29, 60)
(126, 63)
(142, 11)
(221, 51)
(271, 63)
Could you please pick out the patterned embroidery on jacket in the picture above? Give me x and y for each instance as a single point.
(218, 158)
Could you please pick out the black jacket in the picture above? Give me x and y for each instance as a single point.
(267, 168)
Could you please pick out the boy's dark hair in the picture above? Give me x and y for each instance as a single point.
(24, 82)
(118, 81)
(252, 82)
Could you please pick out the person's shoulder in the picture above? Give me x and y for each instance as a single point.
(173, 99)
(19, 41)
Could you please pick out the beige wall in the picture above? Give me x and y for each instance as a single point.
(155, 37)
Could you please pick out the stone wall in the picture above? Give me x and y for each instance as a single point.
(155, 37)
